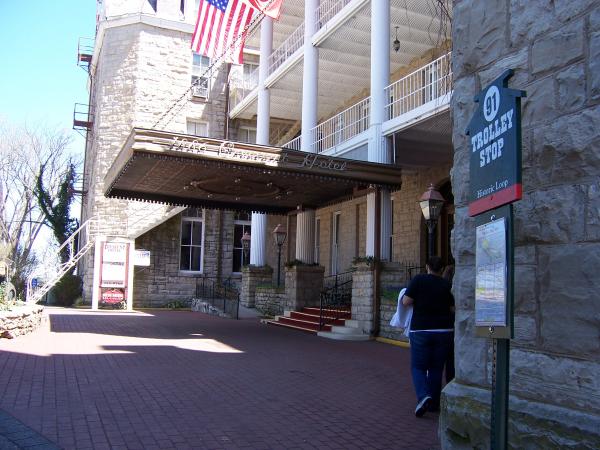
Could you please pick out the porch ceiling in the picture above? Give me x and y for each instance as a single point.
(185, 170)
(426, 144)
(345, 55)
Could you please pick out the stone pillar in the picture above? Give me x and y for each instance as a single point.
(363, 286)
(258, 236)
(303, 285)
(377, 148)
(305, 236)
(251, 278)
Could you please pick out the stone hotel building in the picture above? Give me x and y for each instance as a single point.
(341, 117)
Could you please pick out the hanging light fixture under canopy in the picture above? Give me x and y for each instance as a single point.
(396, 42)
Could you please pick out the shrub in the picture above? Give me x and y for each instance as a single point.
(67, 290)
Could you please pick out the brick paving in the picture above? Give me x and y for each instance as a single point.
(183, 380)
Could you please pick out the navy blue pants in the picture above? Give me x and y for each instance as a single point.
(428, 353)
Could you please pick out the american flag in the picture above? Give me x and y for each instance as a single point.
(268, 7)
(221, 29)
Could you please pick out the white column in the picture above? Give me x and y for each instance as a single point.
(305, 236)
(377, 149)
(386, 225)
(96, 282)
(258, 236)
(130, 268)
(305, 229)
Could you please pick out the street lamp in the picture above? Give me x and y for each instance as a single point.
(279, 234)
(431, 203)
(245, 246)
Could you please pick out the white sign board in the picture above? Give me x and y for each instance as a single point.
(141, 258)
(114, 264)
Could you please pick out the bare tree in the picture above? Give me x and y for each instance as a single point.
(23, 150)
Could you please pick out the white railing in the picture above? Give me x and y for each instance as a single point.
(294, 144)
(419, 87)
(240, 85)
(327, 11)
(286, 49)
(342, 127)
(74, 248)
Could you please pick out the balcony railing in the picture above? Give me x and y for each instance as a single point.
(327, 10)
(287, 49)
(294, 144)
(240, 85)
(342, 127)
(419, 87)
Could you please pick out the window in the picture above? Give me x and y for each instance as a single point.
(335, 241)
(241, 225)
(317, 239)
(247, 134)
(192, 240)
(197, 128)
(200, 77)
(392, 230)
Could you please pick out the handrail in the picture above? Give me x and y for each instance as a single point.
(213, 291)
(343, 126)
(335, 299)
(327, 10)
(425, 84)
(286, 49)
(75, 246)
(294, 144)
(241, 85)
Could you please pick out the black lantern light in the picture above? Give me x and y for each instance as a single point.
(279, 234)
(431, 203)
(245, 246)
(396, 42)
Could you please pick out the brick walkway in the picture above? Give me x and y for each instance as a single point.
(172, 379)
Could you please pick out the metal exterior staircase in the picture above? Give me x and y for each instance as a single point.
(77, 245)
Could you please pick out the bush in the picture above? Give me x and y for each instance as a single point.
(68, 290)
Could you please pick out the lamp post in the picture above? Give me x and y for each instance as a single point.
(279, 234)
(431, 203)
(245, 246)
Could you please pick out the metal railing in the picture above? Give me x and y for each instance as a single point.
(327, 11)
(241, 85)
(425, 84)
(221, 294)
(73, 249)
(335, 300)
(286, 49)
(342, 127)
(294, 144)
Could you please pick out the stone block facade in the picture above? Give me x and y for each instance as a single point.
(553, 48)
(252, 279)
(302, 286)
(270, 301)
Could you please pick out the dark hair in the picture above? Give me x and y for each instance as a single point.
(435, 264)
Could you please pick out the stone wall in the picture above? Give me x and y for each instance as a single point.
(20, 320)
(554, 48)
(303, 285)
(252, 279)
(270, 301)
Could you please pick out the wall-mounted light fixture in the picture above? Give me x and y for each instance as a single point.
(396, 42)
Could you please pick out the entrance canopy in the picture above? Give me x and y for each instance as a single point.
(184, 170)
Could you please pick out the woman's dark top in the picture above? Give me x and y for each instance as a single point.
(433, 303)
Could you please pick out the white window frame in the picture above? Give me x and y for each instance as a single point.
(196, 122)
(185, 219)
(200, 90)
(392, 236)
(246, 226)
(247, 130)
(317, 239)
(335, 245)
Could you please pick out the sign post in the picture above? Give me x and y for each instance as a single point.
(495, 183)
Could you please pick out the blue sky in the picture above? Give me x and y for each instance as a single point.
(39, 78)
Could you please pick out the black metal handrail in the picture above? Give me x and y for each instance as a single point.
(335, 300)
(220, 294)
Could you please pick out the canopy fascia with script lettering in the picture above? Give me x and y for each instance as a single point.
(185, 170)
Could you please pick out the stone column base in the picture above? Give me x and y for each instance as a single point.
(303, 285)
(252, 277)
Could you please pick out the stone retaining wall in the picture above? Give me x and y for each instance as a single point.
(21, 320)
(270, 301)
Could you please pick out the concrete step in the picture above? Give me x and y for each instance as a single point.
(300, 324)
(341, 313)
(315, 318)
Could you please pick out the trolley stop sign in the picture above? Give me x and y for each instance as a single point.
(495, 147)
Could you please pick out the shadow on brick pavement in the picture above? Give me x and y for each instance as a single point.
(172, 379)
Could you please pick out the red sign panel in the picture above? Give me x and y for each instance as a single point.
(113, 296)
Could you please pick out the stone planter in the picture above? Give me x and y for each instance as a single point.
(363, 285)
(270, 301)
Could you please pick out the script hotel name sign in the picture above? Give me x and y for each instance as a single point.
(228, 150)
(495, 147)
